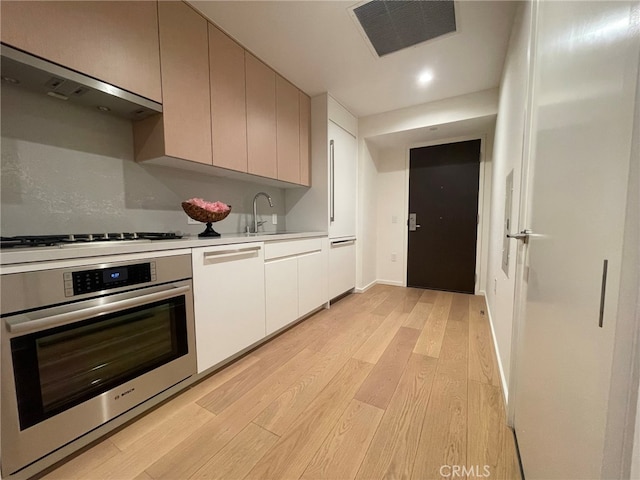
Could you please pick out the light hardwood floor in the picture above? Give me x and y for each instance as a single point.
(392, 383)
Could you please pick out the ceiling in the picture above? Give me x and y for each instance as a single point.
(318, 46)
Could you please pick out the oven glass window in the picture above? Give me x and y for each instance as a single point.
(59, 368)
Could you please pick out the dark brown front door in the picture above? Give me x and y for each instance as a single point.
(443, 195)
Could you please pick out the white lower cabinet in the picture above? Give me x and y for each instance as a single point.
(312, 281)
(342, 266)
(229, 300)
(296, 280)
(281, 277)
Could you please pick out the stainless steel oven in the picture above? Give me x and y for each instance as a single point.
(82, 345)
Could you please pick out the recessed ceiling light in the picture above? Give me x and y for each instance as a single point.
(102, 108)
(424, 78)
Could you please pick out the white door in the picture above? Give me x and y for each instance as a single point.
(343, 158)
(584, 82)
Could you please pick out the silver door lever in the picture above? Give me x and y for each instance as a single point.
(523, 235)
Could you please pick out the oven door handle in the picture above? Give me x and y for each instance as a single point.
(29, 322)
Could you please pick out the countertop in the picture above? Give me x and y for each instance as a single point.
(96, 249)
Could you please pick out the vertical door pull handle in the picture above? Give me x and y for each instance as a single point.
(332, 166)
(603, 291)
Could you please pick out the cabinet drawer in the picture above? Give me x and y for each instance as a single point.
(291, 247)
(342, 267)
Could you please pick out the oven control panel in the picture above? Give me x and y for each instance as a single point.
(96, 280)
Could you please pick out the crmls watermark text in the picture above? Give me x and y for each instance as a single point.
(471, 471)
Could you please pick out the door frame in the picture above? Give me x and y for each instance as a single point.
(484, 197)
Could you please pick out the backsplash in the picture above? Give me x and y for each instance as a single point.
(67, 169)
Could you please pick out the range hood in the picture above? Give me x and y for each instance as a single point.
(41, 76)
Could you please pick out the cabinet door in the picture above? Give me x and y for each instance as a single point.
(229, 300)
(281, 277)
(305, 139)
(342, 188)
(228, 101)
(342, 267)
(287, 131)
(312, 281)
(184, 51)
(116, 42)
(261, 118)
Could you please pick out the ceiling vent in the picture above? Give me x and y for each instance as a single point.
(391, 25)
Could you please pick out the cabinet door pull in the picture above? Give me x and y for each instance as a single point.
(231, 251)
(603, 291)
(342, 242)
(332, 161)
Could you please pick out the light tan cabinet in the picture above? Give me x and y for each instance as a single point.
(228, 101)
(183, 130)
(261, 118)
(305, 139)
(287, 131)
(116, 42)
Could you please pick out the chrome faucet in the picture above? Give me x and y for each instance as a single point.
(256, 224)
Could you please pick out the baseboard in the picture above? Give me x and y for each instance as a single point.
(503, 380)
(366, 287)
(393, 283)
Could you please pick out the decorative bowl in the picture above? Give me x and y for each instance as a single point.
(205, 216)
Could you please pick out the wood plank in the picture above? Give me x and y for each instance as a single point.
(295, 449)
(239, 456)
(486, 427)
(153, 445)
(443, 440)
(430, 341)
(284, 410)
(392, 300)
(377, 343)
(342, 452)
(418, 316)
(509, 468)
(82, 465)
(143, 425)
(393, 448)
(143, 476)
(205, 442)
(412, 296)
(429, 296)
(454, 354)
(273, 356)
(482, 362)
(379, 387)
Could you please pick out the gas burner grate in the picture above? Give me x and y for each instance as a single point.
(53, 240)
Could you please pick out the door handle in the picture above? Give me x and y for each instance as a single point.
(332, 175)
(413, 226)
(523, 235)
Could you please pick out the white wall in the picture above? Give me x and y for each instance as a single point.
(507, 157)
(391, 208)
(450, 110)
(67, 168)
(368, 217)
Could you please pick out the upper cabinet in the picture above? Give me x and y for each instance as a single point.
(228, 101)
(287, 131)
(221, 106)
(116, 42)
(305, 139)
(183, 130)
(261, 118)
